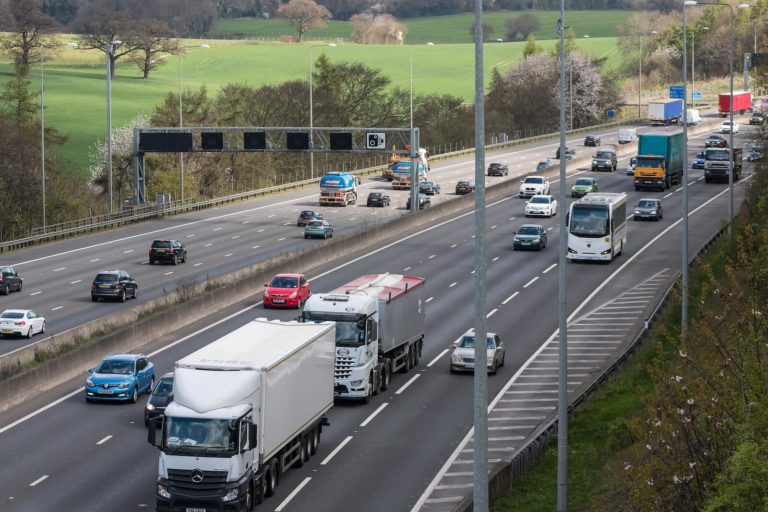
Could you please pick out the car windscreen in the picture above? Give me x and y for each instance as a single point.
(161, 244)
(718, 154)
(284, 282)
(164, 388)
(649, 163)
(583, 181)
(106, 278)
(374, 195)
(115, 367)
(589, 221)
(647, 204)
(315, 224)
(469, 342)
(604, 154)
(307, 215)
(540, 200)
(534, 180)
(12, 314)
(528, 230)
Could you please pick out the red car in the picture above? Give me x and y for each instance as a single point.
(286, 291)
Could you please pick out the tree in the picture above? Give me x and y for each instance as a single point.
(379, 29)
(531, 47)
(17, 101)
(152, 39)
(303, 15)
(487, 31)
(518, 29)
(27, 26)
(101, 27)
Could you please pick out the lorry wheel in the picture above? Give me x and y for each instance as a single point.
(271, 479)
(248, 505)
(303, 452)
(385, 377)
(314, 441)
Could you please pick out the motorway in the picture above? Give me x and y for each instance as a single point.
(74, 456)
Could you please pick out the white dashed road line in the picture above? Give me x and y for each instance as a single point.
(437, 357)
(129, 250)
(75, 282)
(405, 386)
(373, 414)
(336, 450)
(168, 273)
(491, 313)
(510, 298)
(59, 269)
(38, 480)
(36, 293)
(529, 283)
(549, 268)
(293, 494)
(197, 264)
(429, 300)
(104, 440)
(453, 284)
(56, 308)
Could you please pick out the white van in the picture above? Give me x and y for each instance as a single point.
(692, 116)
(627, 135)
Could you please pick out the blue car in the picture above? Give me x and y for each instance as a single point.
(318, 229)
(543, 164)
(120, 378)
(698, 161)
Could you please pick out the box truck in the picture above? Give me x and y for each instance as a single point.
(659, 160)
(245, 408)
(380, 325)
(664, 112)
(742, 102)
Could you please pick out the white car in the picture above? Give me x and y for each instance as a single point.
(726, 127)
(541, 206)
(463, 355)
(21, 322)
(533, 186)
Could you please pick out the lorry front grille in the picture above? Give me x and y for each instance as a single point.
(343, 368)
(184, 482)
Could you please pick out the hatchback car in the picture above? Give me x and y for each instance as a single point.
(498, 169)
(113, 284)
(543, 164)
(530, 236)
(754, 154)
(631, 166)
(286, 291)
(592, 140)
(726, 127)
(377, 199)
(170, 251)
(161, 396)
(715, 141)
(424, 202)
(21, 322)
(541, 206)
(10, 280)
(464, 187)
(430, 188)
(463, 355)
(120, 377)
(648, 209)
(698, 161)
(308, 215)
(570, 153)
(318, 229)
(756, 118)
(583, 186)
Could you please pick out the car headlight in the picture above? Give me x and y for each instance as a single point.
(150, 407)
(124, 385)
(595, 162)
(163, 492)
(490, 360)
(232, 494)
(292, 296)
(89, 382)
(637, 212)
(266, 293)
(653, 212)
(455, 358)
(356, 383)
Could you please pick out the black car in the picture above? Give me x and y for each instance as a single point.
(169, 251)
(464, 187)
(377, 199)
(570, 153)
(604, 160)
(429, 187)
(424, 202)
(756, 118)
(530, 236)
(592, 140)
(113, 284)
(307, 215)
(715, 141)
(10, 280)
(497, 169)
(161, 396)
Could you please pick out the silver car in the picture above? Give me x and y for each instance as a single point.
(648, 209)
(463, 355)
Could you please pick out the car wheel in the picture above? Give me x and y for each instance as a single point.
(502, 359)
(175, 260)
(122, 295)
(151, 261)
(94, 299)
(331, 234)
(29, 332)
(184, 258)
(135, 293)
(305, 237)
(135, 395)
(514, 247)
(19, 288)
(42, 328)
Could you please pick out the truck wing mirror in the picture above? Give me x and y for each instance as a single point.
(252, 435)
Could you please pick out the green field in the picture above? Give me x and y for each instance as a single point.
(441, 29)
(76, 89)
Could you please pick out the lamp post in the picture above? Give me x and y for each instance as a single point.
(693, 69)
(640, 74)
(311, 115)
(181, 112)
(110, 52)
(414, 193)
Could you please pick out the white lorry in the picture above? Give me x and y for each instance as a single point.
(246, 407)
(401, 171)
(380, 326)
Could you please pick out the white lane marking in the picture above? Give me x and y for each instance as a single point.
(260, 231)
(235, 237)
(336, 450)
(293, 494)
(495, 259)
(678, 190)
(373, 414)
(437, 357)
(453, 284)
(93, 260)
(432, 256)
(208, 245)
(36, 293)
(353, 218)
(494, 227)
(510, 298)
(228, 255)
(192, 236)
(550, 229)
(255, 247)
(56, 308)
(59, 269)
(197, 264)
(491, 313)
(270, 216)
(38, 480)
(429, 300)
(217, 229)
(549, 268)
(410, 381)
(669, 195)
(168, 273)
(287, 223)
(529, 283)
(406, 269)
(129, 250)
(75, 282)
(454, 245)
(104, 440)
(280, 239)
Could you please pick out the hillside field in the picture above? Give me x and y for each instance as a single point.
(75, 86)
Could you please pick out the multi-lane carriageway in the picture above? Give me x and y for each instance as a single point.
(62, 454)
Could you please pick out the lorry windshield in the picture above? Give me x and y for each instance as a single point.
(654, 163)
(348, 334)
(718, 154)
(214, 437)
(589, 221)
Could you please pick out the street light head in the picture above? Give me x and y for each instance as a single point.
(430, 43)
(653, 32)
(205, 46)
(333, 45)
(586, 36)
(690, 2)
(744, 6)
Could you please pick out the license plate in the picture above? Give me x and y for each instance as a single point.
(7, 331)
(469, 365)
(279, 301)
(526, 243)
(162, 250)
(195, 509)
(104, 286)
(648, 182)
(105, 391)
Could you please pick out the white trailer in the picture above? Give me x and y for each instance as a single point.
(380, 325)
(246, 408)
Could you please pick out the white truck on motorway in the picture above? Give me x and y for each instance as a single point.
(246, 407)
(380, 326)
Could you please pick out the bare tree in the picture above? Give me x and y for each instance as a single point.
(27, 26)
(518, 29)
(487, 31)
(303, 15)
(101, 27)
(379, 29)
(152, 39)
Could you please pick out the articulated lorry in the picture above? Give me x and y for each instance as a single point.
(664, 112)
(401, 171)
(380, 327)
(717, 161)
(742, 102)
(338, 189)
(659, 160)
(245, 408)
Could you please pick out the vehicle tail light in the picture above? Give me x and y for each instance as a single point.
(93, 286)
(22, 323)
(1, 278)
